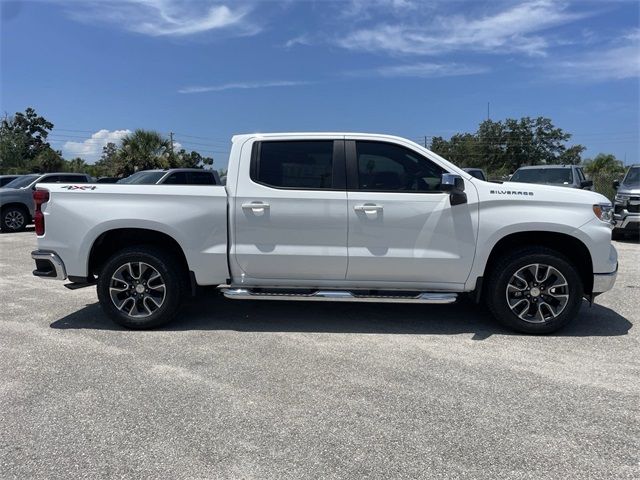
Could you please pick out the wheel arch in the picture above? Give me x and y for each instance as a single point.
(569, 246)
(111, 241)
(21, 205)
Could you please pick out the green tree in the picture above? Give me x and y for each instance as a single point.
(572, 155)
(48, 161)
(13, 146)
(501, 147)
(76, 165)
(191, 159)
(22, 138)
(603, 163)
(143, 150)
(108, 164)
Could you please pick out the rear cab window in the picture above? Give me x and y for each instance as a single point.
(202, 178)
(544, 175)
(177, 178)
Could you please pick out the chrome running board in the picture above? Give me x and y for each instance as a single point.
(338, 296)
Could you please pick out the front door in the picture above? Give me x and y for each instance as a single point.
(290, 212)
(402, 228)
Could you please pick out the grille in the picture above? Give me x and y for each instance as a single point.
(633, 208)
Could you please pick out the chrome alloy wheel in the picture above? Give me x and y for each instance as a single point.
(537, 293)
(14, 219)
(137, 289)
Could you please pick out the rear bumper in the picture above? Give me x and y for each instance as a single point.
(603, 282)
(48, 265)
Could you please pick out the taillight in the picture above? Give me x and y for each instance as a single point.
(39, 197)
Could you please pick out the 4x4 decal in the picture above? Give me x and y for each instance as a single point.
(80, 187)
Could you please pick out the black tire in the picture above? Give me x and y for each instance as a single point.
(15, 218)
(172, 275)
(503, 272)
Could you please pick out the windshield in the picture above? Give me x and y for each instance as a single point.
(631, 178)
(143, 178)
(557, 176)
(21, 182)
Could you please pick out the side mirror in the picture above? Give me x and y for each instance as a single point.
(454, 184)
(616, 184)
(586, 184)
(451, 182)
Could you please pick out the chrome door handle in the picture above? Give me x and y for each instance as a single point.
(256, 207)
(368, 208)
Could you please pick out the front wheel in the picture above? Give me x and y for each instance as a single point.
(534, 290)
(141, 287)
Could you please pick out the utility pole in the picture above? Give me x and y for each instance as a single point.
(488, 115)
(425, 141)
(171, 137)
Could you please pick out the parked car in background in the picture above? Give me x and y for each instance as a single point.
(173, 176)
(4, 179)
(561, 175)
(476, 172)
(16, 197)
(626, 205)
(331, 217)
(108, 179)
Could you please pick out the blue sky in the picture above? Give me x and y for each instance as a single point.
(209, 69)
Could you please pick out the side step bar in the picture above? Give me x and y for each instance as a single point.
(338, 296)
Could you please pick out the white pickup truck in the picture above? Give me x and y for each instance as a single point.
(331, 217)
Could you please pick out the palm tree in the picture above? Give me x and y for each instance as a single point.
(142, 150)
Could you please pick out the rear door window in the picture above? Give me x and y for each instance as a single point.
(202, 178)
(294, 164)
(72, 179)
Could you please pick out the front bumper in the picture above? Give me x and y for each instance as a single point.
(603, 282)
(630, 221)
(48, 265)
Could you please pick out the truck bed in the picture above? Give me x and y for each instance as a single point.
(195, 216)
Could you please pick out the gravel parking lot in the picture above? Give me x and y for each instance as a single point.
(299, 390)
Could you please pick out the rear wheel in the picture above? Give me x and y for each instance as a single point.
(14, 218)
(534, 290)
(141, 287)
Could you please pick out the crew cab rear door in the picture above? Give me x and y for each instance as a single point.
(290, 210)
(402, 227)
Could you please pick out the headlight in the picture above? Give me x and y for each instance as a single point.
(622, 198)
(604, 211)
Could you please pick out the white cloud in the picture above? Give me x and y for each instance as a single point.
(518, 28)
(616, 62)
(91, 148)
(165, 17)
(299, 40)
(362, 8)
(426, 70)
(241, 85)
